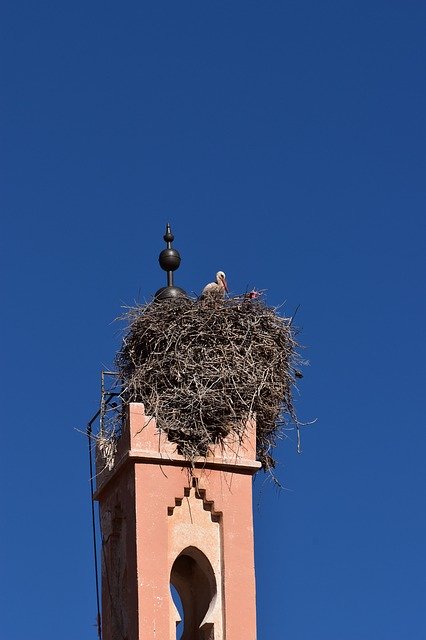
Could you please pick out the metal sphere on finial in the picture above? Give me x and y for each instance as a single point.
(169, 260)
(168, 236)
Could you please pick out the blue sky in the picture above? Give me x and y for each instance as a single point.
(285, 142)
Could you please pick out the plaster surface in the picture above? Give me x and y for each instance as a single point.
(167, 506)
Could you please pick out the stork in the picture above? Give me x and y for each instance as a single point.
(216, 289)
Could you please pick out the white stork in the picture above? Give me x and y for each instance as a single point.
(216, 289)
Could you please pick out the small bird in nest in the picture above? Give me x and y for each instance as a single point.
(216, 289)
(252, 295)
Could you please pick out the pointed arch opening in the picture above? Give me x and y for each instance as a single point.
(193, 578)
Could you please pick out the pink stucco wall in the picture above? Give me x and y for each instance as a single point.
(136, 498)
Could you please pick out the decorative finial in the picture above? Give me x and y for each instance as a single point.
(169, 260)
(168, 236)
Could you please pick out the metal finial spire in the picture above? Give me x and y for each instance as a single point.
(169, 260)
(168, 236)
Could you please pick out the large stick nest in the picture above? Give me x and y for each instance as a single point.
(202, 368)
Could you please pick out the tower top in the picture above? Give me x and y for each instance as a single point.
(169, 260)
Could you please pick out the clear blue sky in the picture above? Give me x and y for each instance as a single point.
(285, 142)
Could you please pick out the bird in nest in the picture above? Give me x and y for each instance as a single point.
(216, 289)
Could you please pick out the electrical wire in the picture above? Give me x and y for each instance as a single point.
(104, 403)
(95, 550)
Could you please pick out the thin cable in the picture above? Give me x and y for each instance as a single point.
(110, 395)
(95, 550)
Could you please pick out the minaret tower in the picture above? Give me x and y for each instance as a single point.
(168, 522)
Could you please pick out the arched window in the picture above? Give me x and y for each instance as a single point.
(193, 578)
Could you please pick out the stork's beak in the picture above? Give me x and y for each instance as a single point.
(225, 284)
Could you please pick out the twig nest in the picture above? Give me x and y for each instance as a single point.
(202, 368)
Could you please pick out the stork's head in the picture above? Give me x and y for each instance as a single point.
(221, 280)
